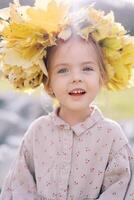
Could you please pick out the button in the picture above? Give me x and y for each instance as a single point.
(65, 126)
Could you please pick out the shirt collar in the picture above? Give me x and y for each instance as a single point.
(81, 127)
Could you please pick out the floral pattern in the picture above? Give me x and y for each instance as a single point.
(56, 161)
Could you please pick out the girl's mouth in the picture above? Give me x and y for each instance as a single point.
(77, 92)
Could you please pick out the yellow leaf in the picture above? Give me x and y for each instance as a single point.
(50, 19)
(112, 43)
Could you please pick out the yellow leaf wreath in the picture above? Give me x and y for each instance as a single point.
(29, 30)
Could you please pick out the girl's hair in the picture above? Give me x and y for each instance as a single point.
(100, 57)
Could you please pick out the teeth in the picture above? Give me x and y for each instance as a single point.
(77, 91)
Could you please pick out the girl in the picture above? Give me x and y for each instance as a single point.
(74, 153)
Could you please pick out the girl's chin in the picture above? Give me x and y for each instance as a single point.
(78, 106)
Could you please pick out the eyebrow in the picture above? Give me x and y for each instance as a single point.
(83, 63)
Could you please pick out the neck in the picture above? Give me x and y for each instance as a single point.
(73, 117)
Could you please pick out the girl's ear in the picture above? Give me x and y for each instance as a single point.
(51, 90)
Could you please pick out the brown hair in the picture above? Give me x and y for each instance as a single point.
(100, 57)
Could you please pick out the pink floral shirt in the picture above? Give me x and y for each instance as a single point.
(87, 161)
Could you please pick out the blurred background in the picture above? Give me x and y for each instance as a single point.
(18, 110)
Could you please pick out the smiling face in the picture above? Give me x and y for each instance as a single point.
(74, 74)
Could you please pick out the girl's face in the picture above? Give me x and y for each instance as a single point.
(73, 66)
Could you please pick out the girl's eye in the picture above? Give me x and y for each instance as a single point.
(63, 70)
(87, 69)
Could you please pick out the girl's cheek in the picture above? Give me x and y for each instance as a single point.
(62, 78)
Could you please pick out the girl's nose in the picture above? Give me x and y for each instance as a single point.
(76, 80)
(76, 76)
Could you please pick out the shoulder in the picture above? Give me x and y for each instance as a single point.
(40, 120)
(116, 133)
(38, 124)
(112, 125)
(35, 132)
(108, 124)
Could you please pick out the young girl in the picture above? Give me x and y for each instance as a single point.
(74, 153)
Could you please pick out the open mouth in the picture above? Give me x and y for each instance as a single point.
(77, 92)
